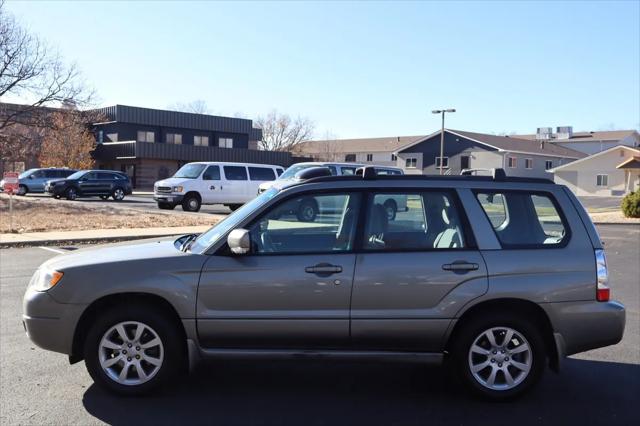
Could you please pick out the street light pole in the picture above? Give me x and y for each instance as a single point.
(442, 111)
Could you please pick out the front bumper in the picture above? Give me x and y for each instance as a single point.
(582, 326)
(48, 323)
(168, 198)
(51, 190)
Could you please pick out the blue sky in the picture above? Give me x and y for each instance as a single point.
(362, 69)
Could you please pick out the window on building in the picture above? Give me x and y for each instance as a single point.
(201, 140)
(411, 163)
(423, 221)
(174, 138)
(261, 173)
(394, 157)
(513, 217)
(602, 180)
(528, 163)
(465, 162)
(112, 137)
(512, 162)
(445, 163)
(144, 136)
(350, 158)
(369, 157)
(225, 142)
(548, 165)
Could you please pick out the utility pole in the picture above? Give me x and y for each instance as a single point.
(442, 111)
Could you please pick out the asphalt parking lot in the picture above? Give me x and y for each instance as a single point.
(597, 387)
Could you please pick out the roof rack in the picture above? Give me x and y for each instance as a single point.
(495, 173)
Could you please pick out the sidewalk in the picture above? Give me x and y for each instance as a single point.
(94, 235)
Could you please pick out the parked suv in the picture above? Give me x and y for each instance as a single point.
(89, 183)
(33, 180)
(498, 276)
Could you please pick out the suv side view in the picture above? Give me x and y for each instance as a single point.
(498, 276)
(89, 183)
(33, 180)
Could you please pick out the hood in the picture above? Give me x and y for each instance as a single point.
(266, 185)
(51, 181)
(172, 182)
(115, 253)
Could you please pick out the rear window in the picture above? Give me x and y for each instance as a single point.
(235, 172)
(524, 219)
(261, 173)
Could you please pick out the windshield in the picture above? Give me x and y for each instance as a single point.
(190, 171)
(25, 173)
(77, 175)
(208, 238)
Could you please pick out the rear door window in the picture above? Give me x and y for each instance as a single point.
(348, 171)
(523, 219)
(422, 221)
(105, 176)
(235, 172)
(212, 173)
(261, 173)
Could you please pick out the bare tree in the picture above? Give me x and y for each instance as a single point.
(68, 140)
(30, 70)
(197, 107)
(282, 133)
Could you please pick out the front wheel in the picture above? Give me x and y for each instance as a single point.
(71, 194)
(191, 203)
(131, 350)
(499, 356)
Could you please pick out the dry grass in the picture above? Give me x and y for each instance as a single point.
(43, 214)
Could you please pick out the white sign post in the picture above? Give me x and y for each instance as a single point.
(10, 186)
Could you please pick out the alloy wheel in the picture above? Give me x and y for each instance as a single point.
(118, 194)
(131, 353)
(500, 358)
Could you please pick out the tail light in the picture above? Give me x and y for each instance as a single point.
(603, 292)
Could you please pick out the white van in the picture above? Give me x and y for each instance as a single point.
(231, 184)
(308, 211)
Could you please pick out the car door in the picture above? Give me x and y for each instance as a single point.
(292, 290)
(89, 184)
(413, 272)
(105, 183)
(234, 190)
(210, 185)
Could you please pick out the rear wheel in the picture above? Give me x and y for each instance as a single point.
(234, 207)
(166, 206)
(131, 350)
(191, 203)
(118, 194)
(22, 190)
(71, 194)
(499, 356)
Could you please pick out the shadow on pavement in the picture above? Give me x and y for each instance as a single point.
(305, 392)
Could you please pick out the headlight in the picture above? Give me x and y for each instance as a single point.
(177, 189)
(45, 279)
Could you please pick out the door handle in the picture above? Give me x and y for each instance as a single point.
(323, 269)
(460, 266)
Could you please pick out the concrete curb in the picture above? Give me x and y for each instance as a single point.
(617, 223)
(71, 241)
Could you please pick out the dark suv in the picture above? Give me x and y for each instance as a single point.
(87, 183)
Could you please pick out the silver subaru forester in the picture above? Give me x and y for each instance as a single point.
(498, 276)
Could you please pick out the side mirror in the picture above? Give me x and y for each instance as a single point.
(239, 241)
(30, 177)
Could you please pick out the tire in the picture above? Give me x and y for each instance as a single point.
(22, 190)
(234, 207)
(191, 203)
(71, 194)
(117, 194)
(307, 211)
(391, 208)
(473, 333)
(167, 352)
(166, 206)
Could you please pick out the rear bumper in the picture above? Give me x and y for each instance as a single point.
(582, 326)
